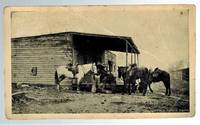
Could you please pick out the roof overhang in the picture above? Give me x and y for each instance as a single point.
(87, 41)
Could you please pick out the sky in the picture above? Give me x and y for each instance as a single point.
(161, 34)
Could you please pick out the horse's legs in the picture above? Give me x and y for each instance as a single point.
(58, 87)
(94, 84)
(78, 88)
(167, 86)
(150, 87)
(129, 88)
(144, 89)
(169, 89)
(57, 82)
(144, 86)
(124, 86)
(134, 87)
(166, 92)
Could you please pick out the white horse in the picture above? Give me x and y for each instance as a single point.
(63, 72)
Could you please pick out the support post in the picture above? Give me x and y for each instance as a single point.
(126, 54)
(138, 60)
(131, 56)
(134, 58)
(125, 84)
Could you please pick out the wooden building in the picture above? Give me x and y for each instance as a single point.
(181, 74)
(35, 58)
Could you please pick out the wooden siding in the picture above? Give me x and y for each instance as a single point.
(181, 74)
(44, 52)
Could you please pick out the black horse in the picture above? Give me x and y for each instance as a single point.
(130, 75)
(141, 74)
(146, 79)
(160, 75)
(105, 76)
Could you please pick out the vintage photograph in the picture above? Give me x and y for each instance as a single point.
(101, 60)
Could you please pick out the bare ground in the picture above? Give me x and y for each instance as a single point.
(48, 100)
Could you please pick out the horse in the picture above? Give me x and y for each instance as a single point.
(140, 74)
(77, 71)
(61, 73)
(160, 75)
(105, 76)
(130, 77)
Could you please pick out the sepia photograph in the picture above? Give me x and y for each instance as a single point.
(134, 61)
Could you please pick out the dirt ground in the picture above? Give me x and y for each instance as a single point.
(48, 100)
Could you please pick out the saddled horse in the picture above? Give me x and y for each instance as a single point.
(76, 71)
(141, 74)
(147, 77)
(61, 73)
(105, 76)
(160, 75)
(130, 77)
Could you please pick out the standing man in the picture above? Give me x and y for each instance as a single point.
(132, 72)
(96, 77)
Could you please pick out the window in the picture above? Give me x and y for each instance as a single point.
(34, 71)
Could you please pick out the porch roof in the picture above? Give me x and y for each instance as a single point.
(99, 42)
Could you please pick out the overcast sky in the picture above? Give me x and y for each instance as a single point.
(160, 34)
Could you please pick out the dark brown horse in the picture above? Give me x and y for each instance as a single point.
(105, 76)
(160, 75)
(142, 74)
(130, 75)
(146, 79)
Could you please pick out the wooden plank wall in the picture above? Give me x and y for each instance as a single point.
(45, 52)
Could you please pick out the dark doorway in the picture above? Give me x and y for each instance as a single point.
(110, 65)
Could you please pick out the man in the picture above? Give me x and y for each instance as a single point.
(96, 77)
(131, 71)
